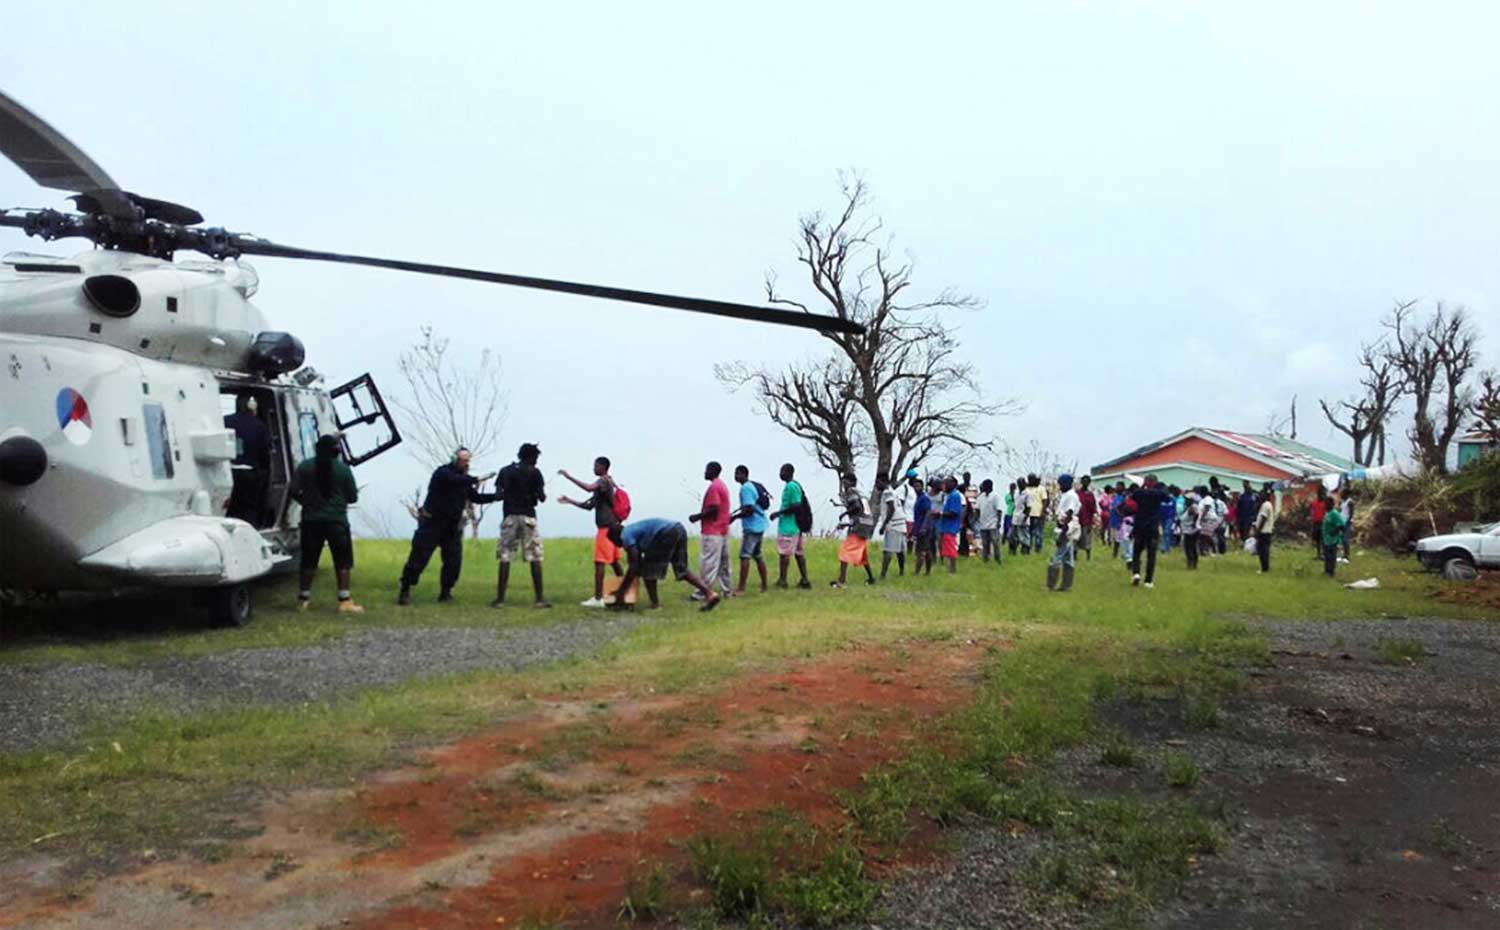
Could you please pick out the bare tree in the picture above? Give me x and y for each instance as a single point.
(1384, 389)
(1033, 459)
(814, 402)
(1486, 407)
(1352, 418)
(448, 405)
(1434, 358)
(1363, 418)
(1276, 425)
(897, 393)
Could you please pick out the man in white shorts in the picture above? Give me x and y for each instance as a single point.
(893, 516)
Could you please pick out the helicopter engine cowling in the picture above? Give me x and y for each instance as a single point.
(197, 313)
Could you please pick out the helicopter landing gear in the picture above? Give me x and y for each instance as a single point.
(230, 605)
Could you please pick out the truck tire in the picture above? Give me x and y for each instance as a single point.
(230, 605)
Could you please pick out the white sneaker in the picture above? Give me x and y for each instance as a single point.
(1150, 585)
(1135, 579)
(1343, 561)
(592, 602)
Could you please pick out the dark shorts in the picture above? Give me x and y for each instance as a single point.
(336, 535)
(668, 549)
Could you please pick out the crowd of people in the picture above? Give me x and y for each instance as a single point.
(933, 520)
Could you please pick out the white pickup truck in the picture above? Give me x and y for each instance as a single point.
(1479, 548)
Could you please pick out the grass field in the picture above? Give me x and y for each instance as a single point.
(153, 778)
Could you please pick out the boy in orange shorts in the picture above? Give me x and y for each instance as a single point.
(856, 547)
(602, 502)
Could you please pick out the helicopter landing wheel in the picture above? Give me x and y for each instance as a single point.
(230, 605)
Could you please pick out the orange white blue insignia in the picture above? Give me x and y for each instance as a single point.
(73, 416)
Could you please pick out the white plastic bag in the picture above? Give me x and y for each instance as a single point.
(1364, 584)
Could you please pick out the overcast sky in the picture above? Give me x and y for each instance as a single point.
(1177, 214)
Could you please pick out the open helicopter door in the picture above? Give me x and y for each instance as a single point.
(365, 425)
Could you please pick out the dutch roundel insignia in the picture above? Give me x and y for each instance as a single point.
(73, 416)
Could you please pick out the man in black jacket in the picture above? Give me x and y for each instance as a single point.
(440, 525)
(1146, 504)
(521, 486)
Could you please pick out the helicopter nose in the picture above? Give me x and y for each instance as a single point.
(22, 460)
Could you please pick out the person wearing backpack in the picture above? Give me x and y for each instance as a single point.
(607, 500)
(793, 519)
(754, 500)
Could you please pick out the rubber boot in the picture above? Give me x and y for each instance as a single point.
(1051, 577)
(1067, 578)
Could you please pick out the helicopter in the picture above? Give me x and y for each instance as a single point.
(120, 365)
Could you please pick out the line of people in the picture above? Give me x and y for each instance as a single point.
(936, 520)
(648, 547)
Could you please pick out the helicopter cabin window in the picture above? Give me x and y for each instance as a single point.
(307, 432)
(157, 441)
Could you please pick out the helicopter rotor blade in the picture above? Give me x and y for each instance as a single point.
(45, 154)
(252, 246)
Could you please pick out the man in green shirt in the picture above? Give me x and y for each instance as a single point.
(325, 488)
(788, 532)
(1333, 534)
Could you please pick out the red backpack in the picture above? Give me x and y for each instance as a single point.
(622, 504)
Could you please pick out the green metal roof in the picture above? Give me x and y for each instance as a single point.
(1300, 448)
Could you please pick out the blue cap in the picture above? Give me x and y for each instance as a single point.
(1065, 481)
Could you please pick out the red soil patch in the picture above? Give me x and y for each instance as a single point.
(1484, 591)
(548, 816)
(788, 741)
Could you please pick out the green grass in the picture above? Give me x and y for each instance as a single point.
(786, 872)
(645, 894)
(1182, 771)
(1397, 651)
(1117, 751)
(171, 770)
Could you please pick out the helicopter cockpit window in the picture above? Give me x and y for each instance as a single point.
(157, 441)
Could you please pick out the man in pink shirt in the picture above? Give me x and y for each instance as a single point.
(714, 557)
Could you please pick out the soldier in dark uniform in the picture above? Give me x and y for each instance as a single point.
(440, 525)
(252, 462)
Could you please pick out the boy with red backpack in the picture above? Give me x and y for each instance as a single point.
(611, 505)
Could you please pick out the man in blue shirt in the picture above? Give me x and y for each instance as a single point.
(753, 525)
(921, 519)
(951, 523)
(651, 546)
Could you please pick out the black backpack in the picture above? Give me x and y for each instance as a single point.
(803, 512)
(762, 496)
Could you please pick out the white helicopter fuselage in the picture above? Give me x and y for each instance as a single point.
(129, 409)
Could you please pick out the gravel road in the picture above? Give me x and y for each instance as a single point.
(1336, 764)
(49, 705)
